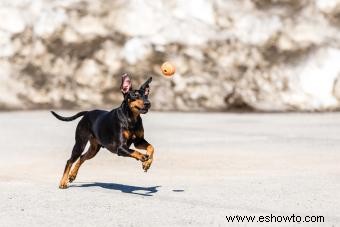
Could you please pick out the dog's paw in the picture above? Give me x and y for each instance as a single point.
(63, 186)
(71, 178)
(144, 158)
(147, 164)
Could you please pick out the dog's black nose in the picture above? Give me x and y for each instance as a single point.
(147, 104)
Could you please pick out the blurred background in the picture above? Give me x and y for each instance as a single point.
(244, 55)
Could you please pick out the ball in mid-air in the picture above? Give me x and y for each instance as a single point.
(168, 69)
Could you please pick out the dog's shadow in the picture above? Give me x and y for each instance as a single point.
(137, 190)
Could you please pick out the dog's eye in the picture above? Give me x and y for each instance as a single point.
(134, 95)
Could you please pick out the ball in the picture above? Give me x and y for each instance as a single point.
(168, 69)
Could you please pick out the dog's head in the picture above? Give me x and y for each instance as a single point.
(137, 100)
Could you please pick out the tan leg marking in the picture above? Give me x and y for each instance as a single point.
(149, 151)
(64, 179)
(91, 152)
(75, 169)
(139, 156)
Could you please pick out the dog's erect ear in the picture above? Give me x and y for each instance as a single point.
(126, 85)
(145, 87)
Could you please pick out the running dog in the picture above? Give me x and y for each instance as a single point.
(114, 130)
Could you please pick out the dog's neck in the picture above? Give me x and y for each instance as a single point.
(131, 117)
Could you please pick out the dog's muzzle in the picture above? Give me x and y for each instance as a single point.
(146, 107)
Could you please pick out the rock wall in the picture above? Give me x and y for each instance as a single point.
(269, 55)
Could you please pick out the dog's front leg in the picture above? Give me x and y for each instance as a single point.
(123, 150)
(143, 144)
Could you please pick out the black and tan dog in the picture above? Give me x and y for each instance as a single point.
(114, 130)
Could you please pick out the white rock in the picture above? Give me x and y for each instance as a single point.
(328, 6)
(70, 36)
(135, 50)
(86, 96)
(256, 28)
(110, 56)
(194, 52)
(301, 34)
(38, 48)
(336, 88)
(317, 76)
(5, 71)
(191, 33)
(49, 21)
(11, 20)
(88, 74)
(139, 18)
(6, 47)
(15, 3)
(9, 87)
(89, 27)
(165, 23)
(201, 10)
(180, 83)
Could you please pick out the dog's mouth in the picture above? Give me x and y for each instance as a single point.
(142, 110)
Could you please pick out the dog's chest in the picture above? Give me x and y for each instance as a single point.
(132, 134)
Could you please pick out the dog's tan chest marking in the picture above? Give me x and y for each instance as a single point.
(127, 134)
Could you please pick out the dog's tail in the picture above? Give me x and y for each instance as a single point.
(69, 118)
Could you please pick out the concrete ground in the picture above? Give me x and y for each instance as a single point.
(207, 167)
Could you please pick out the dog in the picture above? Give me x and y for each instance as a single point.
(114, 130)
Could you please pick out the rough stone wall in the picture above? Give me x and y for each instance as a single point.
(271, 55)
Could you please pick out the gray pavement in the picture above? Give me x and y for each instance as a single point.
(207, 166)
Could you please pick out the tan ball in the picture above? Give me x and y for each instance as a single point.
(168, 69)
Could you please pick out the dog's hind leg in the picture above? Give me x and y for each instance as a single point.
(76, 152)
(91, 152)
(82, 136)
